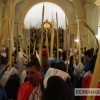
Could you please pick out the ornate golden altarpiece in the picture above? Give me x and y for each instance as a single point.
(35, 34)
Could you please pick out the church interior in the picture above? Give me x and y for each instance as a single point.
(58, 25)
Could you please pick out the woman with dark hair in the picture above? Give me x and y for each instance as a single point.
(12, 86)
(71, 69)
(54, 88)
(62, 66)
(53, 65)
(64, 55)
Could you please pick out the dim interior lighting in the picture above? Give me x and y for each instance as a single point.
(99, 32)
(98, 36)
(76, 40)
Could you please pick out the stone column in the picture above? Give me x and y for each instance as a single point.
(82, 33)
(64, 45)
(19, 30)
(88, 13)
(1, 13)
(87, 1)
(69, 36)
(98, 4)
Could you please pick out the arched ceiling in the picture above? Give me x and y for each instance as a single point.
(34, 15)
(68, 6)
(79, 7)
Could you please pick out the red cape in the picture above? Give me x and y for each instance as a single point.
(85, 84)
(44, 52)
(25, 91)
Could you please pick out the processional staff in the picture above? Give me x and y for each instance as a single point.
(17, 41)
(41, 42)
(10, 44)
(46, 41)
(7, 24)
(94, 45)
(88, 41)
(57, 37)
(95, 76)
(34, 46)
(34, 42)
(78, 35)
(67, 42)
(26, 50)
(52, 37)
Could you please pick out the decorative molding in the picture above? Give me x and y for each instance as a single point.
(19, 24)
(97, 2)
(87, 1)
(89, 6)
(26, 28)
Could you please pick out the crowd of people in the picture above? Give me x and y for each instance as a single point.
(50, 79)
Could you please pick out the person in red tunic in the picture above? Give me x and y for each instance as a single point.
(29, 89)
(44, 51)
(87, 80)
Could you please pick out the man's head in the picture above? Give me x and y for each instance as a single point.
(13, 59)
(92, 63)
(87, 55)
(33, 72)
(84, 49)
(76, 59)
(44, 47)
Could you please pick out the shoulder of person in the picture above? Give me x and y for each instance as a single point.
(87, 78)
(24, 85)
